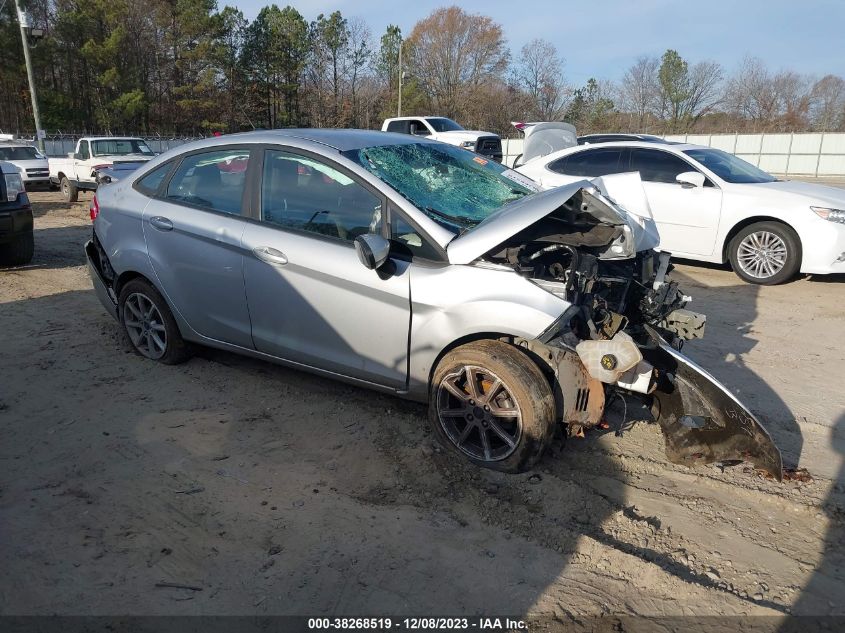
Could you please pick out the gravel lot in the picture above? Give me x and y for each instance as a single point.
(275, 492)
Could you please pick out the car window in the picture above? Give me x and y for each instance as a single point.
(83, 153)
(407, 240)
(398, 126)
(213, 180)
(418, 128)
(590, 163)
(150, 183)
(657, 166)
(18, 152)
(121, 147)
(303, 193)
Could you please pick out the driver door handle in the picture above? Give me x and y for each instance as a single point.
(162, 224)
(270, 255)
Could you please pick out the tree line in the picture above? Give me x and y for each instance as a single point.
(187, 67)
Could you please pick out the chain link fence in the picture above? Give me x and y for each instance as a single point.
(61, 144)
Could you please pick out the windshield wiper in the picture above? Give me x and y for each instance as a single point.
(456, 219)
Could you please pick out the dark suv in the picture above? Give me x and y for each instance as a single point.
(17, 244)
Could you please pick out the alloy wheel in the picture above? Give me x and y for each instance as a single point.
(145, 326)
(762, 254)
(479, 414)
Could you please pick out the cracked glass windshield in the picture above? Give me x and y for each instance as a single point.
(455, 187)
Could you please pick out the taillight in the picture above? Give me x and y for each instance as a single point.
(94, 211)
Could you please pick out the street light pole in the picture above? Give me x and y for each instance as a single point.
(24, 23)
(398, 109)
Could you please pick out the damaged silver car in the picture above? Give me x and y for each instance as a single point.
(419, 269)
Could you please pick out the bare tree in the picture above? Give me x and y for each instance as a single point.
(828, 104)
(452, 52)
(750, 92)
(639, 92)
(539, 72)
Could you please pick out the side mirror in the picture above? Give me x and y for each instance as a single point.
(690, 179)
(372, 250)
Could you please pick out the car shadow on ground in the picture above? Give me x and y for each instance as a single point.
(729, 337)
(821, 601)
(57, 247)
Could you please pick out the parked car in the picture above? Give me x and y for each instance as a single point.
(78, 172)
(419, 269)
(588, 139)
(438, 128)
(29, 160)
(711, 206)
(17, 243)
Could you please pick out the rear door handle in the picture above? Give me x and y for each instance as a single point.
(270, 255)
(162, 224)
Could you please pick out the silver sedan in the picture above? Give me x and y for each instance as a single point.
(420, 269)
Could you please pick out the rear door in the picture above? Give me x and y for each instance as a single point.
(193, 230)
(686, 217)
(310, 299)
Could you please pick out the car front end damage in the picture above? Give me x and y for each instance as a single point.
(623, 330)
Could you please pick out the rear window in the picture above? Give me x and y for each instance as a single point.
(212, 180)
(150, 183)
(590, 163)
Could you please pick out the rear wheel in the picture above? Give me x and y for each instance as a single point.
(20, 250)
(149, 325)
(766, 253)
(69, 190)
(491, 403)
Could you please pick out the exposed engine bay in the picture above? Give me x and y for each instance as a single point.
(622, 333)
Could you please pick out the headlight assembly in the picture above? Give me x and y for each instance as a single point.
(832, 215)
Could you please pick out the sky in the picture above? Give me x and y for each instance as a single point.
(602, 38)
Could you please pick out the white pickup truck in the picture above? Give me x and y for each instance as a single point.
(440, 128)
(79, 170)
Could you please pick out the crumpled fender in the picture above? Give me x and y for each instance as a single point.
(701, 420)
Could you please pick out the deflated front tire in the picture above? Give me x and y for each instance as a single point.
(490, 403)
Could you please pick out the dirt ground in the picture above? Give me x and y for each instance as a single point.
(275, 492)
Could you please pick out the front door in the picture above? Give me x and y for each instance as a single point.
(686, 217)
(311, 300)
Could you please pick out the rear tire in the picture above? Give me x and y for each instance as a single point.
(490, 403)
(149, 325)
(20, 250)
(765, 253)
(69, 190)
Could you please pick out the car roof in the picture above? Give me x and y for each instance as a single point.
(649, 144)
(341, 140)
(111, 138)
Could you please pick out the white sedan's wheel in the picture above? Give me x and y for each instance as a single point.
(766, 253)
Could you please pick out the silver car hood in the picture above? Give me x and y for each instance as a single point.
(497, 228)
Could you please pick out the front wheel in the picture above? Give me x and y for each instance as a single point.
(149, 325)
(69, 190)
(766, 253)
(491, 403)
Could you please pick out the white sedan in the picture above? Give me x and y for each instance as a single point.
(712, 206)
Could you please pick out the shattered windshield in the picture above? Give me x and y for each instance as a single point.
(456, 188)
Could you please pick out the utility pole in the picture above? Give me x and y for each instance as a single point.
(398, 109)
(24, 24)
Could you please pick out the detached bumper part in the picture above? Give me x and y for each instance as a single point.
(104, 292)
(701, 420)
